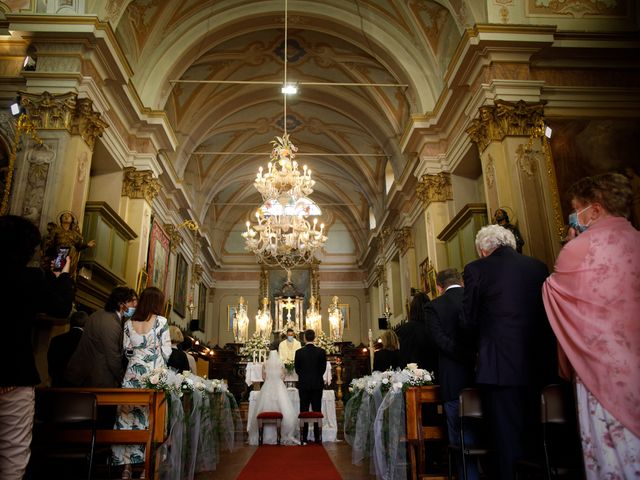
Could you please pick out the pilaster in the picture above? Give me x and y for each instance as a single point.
(55, 173)
(519, 172)
(139, 188)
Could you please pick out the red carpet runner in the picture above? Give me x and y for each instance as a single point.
(310, 462)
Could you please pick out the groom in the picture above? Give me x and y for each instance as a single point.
(310, 363)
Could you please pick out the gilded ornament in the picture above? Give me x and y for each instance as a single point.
(404, 239)
(139, 184)
(435, 188)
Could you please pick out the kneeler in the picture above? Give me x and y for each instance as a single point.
(268, 418)
(310, 418)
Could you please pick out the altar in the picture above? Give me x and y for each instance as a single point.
(329, 422)
(253, 374)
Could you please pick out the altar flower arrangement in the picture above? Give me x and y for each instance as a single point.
(256, 345)
(325, 343)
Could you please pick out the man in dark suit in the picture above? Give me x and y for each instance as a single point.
(456, 354)
(503, 306)
(310, 363)
(62, 347)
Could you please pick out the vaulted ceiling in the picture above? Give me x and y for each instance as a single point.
(346, 134)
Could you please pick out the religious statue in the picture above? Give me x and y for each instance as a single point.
(66, 234)
(502, 218)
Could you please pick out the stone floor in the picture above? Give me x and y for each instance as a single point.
(231, 464)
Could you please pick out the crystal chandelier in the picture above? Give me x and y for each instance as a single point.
(313, 319)
(283, 235)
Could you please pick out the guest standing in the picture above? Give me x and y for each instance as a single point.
(25, 293)
(387, 357)
(310, 364)
(593, 303)
(62, 347)
(456, 355)
(415, 344)
(503, 305)
(178, 360)
(97, 361)
(146, 336)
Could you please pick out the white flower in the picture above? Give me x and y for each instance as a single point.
(412, 366)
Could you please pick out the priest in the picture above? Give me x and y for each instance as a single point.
(288, 346)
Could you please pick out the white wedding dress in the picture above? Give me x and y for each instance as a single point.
(274, 397)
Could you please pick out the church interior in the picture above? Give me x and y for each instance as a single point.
(153, 122)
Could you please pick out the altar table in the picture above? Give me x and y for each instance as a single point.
(253, 373)
(329, 422)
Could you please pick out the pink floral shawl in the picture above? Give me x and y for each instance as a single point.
(593, 303)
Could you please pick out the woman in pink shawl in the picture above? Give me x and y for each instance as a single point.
(593, 303)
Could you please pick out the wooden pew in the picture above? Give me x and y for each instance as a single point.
(417, 433)
(151, 438)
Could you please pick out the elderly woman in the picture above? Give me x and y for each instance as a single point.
(593, 303)
(178, 359)
(387, 357)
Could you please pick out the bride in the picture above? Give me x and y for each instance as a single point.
(274, 398)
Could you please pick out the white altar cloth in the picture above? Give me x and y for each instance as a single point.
(253, 374)
(329, 422)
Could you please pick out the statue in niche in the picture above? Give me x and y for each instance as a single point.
(502, 218)
(66, 233)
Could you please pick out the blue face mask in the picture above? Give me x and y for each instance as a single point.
(575, 223)
(289, 339)
(130, 311)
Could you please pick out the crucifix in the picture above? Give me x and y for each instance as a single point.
(288, 306)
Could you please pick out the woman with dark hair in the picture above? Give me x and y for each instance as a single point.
(25, 293)
(147, 344)
(415, 345)
(592, 300)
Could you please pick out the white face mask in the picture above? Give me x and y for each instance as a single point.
(289, 338)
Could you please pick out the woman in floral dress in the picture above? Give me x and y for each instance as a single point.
(593, 304)
(148, 346)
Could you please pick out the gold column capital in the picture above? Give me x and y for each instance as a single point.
(139, 184)
(64, 111)
(404, 239)
(495, 122)
(435, 188)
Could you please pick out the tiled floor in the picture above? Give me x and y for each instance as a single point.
(231, 464)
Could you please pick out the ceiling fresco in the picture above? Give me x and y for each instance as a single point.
(346, 134)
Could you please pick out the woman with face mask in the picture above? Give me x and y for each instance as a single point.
(593, 303)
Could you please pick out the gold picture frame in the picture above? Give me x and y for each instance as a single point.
(431, 278)
(167, 309)
(143, 279)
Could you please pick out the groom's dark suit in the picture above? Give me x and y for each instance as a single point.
(310, 363)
